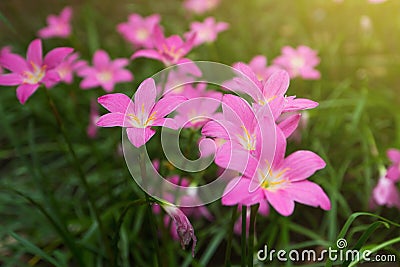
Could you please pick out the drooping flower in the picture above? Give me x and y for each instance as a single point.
(69, 66)
(139, 116)
(299, 62)
(386, 193)
(207, 31)
(258, 65)
(183, 226)
(200, 6)
(105, 72)
(138, 30)
(393, 172)
(58, 26)
(30, 73)
(281, 183)
(169, 51)
(91, 129)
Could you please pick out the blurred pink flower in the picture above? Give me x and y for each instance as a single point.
(184, 228)
(299, 62)
(69, 66)
(30, 73)
(169, 50)
(4, 50)
(91, 129)
(58, 26)
(105, 72)
(258, 65)
(393, 172)
(200, 6)
(376, 1)
(138, 117)
(207, 31)
(138, 30)
(386, 193)
(283, 181)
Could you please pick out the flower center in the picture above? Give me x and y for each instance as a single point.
(247, 140)
(104, 76)
(273, 181)
(142, 34)
(142, 120)
(297, 62)
(171, 54)
(35, 76)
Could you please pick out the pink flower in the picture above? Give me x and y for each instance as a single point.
(105, 72)
(393, 172)
(69, 66)
(57, 26)
(169, 50)
(91, 129)
(299, 62)
(200, 108)
(283, 182)
(200, 6)
(30, 73)
(183, 226)
(207, 31)
(376, 1)
(386, 193)
(258, 65)
(4, 50)
(139, 116)
(138, 30)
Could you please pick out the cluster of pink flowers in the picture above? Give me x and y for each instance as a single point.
(278, 182)
(386, 192)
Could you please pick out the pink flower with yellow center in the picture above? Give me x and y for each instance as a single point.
(58, 26)
(139, 116)
(69, 66)
(29, 74)
(105, 72)
(280, 183)
(138, 30)
(299, 62)
(170, 51)
(207, 31)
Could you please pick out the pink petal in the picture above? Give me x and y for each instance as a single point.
(145, 96)
(66, 14)
(24, 91)
(393, 173)
(120, 63)
(89, 82)
(309, 193)
(101, 59)
(237, 192)
(56, 56)
(115, 102)
(237, 110)
(299, 104)
(393, 155)
(139, 136)
(13, 62)
(277, 84)
(51, 78)
(289, 125)
(112, 120)
(147, 53)
(123, 76)
(215, 129)
(10, 79)
(167, 104)
(34, 54)
(281, 201)
(280, 148)
(302, 164)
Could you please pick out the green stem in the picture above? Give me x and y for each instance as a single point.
(153, 225)
(243, 240)
(253, 214)
(230, 237)
(81, 176)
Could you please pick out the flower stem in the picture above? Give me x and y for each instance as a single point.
(243, 240)
(230, 237)
(253, 214)
(153, 225)
(82, 177)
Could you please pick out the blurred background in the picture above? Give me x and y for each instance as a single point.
(357, 121)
